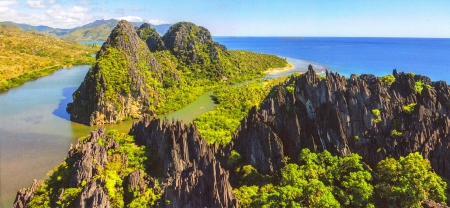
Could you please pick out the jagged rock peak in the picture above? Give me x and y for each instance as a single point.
(118, 85)
(362, 114)
(24, 195)
(151, 37)
(89, 156)
(184, 39)
(193, 177)
(122, 37)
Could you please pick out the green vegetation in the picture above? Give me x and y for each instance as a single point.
(409, 108)
(218, 125)
(396, 133)
(323, 180)
(95, 33)
(26, 56)
(55, 191)
(419, 86)
(407, 181)
(376, 114)
(387, 79)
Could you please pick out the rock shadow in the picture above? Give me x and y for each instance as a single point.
(62, 105)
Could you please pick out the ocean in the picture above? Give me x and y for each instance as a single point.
(378, 56)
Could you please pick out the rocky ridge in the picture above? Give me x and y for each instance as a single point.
(188, 171)
(343, 115)
(193, 177)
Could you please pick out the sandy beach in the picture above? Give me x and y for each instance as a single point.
(295, 66)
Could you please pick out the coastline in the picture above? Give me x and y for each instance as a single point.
(289, 67)
(295, 66)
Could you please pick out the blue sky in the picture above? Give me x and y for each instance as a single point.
(353, 18)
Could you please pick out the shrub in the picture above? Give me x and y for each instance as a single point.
(387, 79)
(376, 112)
(409, 108)
(396, 133)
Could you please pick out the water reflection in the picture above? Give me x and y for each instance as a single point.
(62, 105)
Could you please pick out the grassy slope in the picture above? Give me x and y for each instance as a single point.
(96, 33)
(26, 56)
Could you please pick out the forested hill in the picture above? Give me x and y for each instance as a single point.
(27, 55)
(139, 72)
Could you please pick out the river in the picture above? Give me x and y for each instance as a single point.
(36, 131)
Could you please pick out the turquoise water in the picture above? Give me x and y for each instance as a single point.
(379, 56)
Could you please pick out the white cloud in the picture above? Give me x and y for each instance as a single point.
(7, 3)
(55, 16)
(36, 4)
(74, 14)
(5, 11)
(156, 22)
(131, 18)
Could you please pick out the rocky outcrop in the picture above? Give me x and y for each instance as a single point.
(428, 203)
(93, 195)
(344, 115)
(151, 37)
(24, 195)
(193, 177)
(89, 156)
(117, 86)
(193, 44)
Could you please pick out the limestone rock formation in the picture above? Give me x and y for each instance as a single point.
(151, 37)
(193, 177)
(117, 86)
(184, 39)
(344, 115)
(89, 157)
(93, 195)
(24, 195)
(193, 44)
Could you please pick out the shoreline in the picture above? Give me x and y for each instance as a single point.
(289, 67)
(295, 66)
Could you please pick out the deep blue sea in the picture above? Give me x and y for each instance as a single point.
(379, 56)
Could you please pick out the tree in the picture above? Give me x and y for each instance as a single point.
(408, 181)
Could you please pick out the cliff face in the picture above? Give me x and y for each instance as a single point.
(193, 177)
(359, 114)
(120, 83)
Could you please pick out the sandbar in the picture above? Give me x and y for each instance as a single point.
(295, 66)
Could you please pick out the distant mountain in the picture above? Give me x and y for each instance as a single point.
(95, 31)
(9, 26)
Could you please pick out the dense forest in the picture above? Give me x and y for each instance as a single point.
(27, 55)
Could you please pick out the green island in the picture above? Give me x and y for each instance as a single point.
(27, 55)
